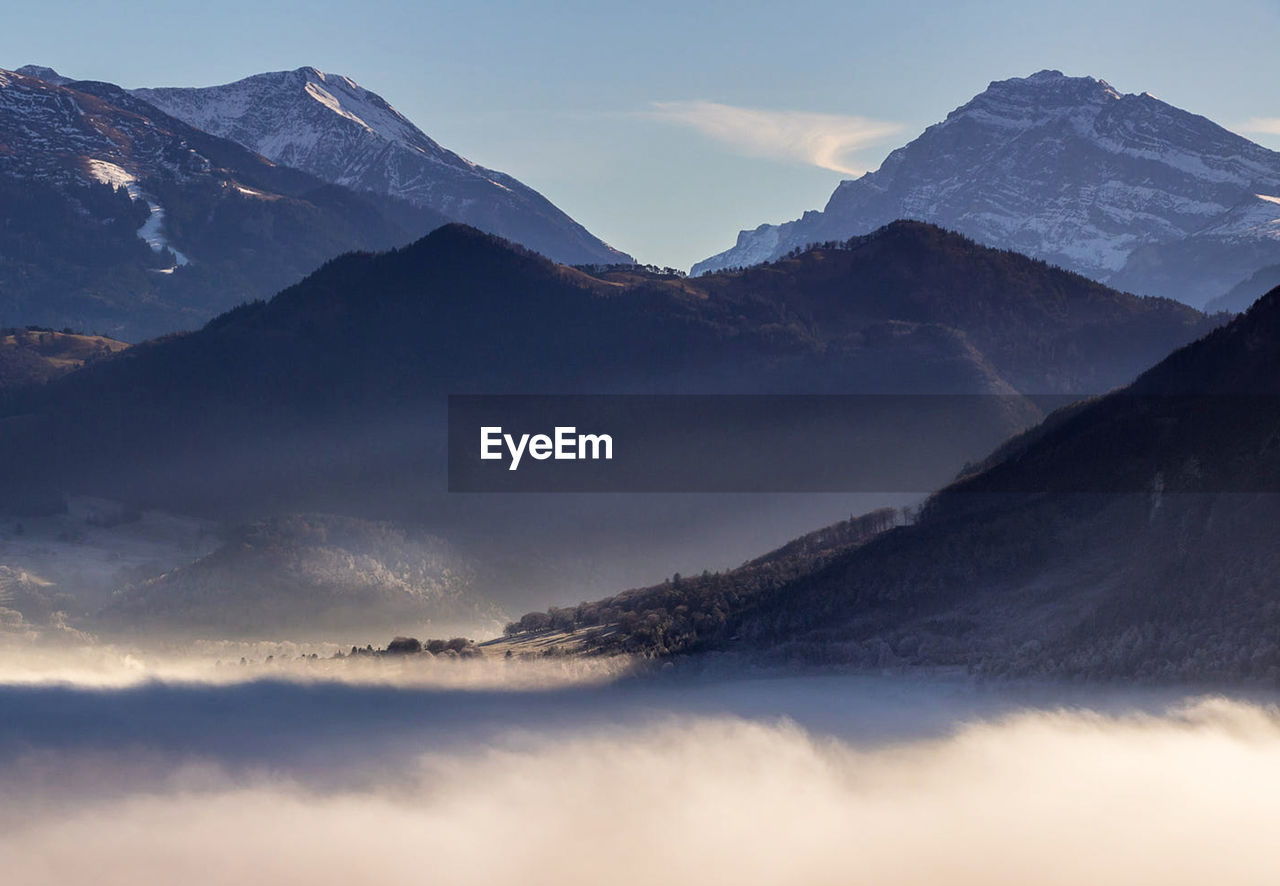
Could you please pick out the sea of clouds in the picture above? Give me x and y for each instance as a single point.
(282, 779)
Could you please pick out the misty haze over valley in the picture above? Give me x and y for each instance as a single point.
(364, 513)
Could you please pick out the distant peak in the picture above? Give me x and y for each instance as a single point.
(1047, 74)
(40, 72)
(305, 74)
(460, 239)
(460, 232)
(1053, 80)
(315, 75)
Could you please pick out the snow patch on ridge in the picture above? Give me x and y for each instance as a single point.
(110, 174)
(319, 94)
(152, 230)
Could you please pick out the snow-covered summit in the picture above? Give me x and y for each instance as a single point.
(330, 126)
(293, 118)
(1067, 169)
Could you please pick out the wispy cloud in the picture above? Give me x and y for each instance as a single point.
(822, 140)
(1267, 125)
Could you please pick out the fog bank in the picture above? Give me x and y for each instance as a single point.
(638, 786)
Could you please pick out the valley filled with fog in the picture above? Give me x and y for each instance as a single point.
(365, 517)
(533, 771)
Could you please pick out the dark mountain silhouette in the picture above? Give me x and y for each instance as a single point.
(1131, 535)
(1043, 329)
(330, 397)
(346, 364)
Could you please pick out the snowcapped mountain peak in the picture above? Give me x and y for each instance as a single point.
(332, 127)
(1025, 102)
(343, 96)
(1070, 170)
(1054, 80)
(294, 117)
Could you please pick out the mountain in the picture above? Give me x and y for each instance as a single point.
(1043, 330)
(40, 72)
(303, 575)
(1125, 189)
(1127, 536)
(687, 613)
(330, 397)
(374, 341)
(1238, 299)
(335, 129)
(117, 218)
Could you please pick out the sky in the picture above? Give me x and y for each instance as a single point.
(666, 127)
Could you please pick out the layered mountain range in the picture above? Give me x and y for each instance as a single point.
(148, 211)
(330, 397)
(373, 342)
(120, 218)
(1125, 189)
(1127, 536)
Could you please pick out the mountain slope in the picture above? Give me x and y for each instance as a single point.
(1069, 170)
(1241, 296)
(1131, 535)
(335, 129)
(330, 397)
(302, 575)
(911, 309)
(118, 218)
(1043, 330)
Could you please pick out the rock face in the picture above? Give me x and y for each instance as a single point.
(335, 129)
(1125, 189)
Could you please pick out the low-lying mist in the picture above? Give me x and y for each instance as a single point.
(773, 781)
(227, 662)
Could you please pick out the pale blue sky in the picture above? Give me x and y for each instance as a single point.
(562, 94)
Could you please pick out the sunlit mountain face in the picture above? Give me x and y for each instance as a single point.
(332, 127)
(1122, 188)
